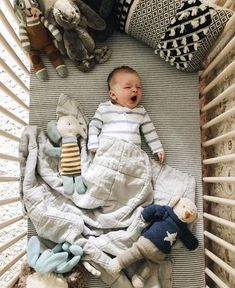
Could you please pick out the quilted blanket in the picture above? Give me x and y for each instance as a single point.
(120, 181)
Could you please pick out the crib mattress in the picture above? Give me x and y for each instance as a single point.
(170, 97)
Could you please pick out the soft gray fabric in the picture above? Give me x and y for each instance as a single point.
(169, 183)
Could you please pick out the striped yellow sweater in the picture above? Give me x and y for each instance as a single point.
(70, 163)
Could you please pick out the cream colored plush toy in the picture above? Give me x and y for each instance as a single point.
(165, 226)
(67, 130)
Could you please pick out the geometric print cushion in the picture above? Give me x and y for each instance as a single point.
(180, 31)
(185, 42)
(219, 20)
(145, 20)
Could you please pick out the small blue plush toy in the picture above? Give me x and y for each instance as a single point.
(67, 130)
(61, 259)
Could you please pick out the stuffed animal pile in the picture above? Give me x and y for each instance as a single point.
(73, 18)
(72, 24)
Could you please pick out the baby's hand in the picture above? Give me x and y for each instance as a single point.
(161, 156)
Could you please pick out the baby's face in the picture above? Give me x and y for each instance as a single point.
(126, 90)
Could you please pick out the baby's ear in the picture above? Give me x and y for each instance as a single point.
(112, 95)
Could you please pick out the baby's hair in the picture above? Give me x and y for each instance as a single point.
(122, 68)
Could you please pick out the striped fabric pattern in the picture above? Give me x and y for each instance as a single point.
(23, 34)
(54, 31)
(124, 123)
(70, 159)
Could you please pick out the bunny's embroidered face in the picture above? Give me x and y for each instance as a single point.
(70, 126)
(27, 9)
(66, 14)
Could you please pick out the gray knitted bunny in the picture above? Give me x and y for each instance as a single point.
(73, 17)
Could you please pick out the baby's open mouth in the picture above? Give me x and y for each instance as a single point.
(133, 98)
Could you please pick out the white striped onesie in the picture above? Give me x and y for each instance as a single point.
(123, 123)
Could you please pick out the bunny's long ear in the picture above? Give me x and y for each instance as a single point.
(93, 19)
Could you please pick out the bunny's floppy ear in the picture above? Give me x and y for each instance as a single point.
(93, 19)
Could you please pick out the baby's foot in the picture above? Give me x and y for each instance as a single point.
(114, 266)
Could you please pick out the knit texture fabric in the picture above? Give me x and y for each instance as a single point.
(165, 228)
(123, 123)
(70, 157)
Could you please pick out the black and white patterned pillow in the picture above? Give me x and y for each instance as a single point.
(181, 31)
(146, 20)
(185, 42)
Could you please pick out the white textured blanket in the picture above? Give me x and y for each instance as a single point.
(120, 181)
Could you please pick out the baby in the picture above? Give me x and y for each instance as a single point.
(123, 117)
